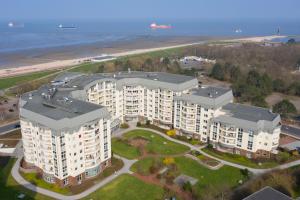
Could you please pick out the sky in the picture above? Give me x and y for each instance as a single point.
(149, 9)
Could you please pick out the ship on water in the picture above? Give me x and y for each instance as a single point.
(15, 25)
(157, 26)
(66, 27)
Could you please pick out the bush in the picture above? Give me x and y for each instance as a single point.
(171, 133)
(168, 161)
(284, 107)
(283, 156)
(138, 124)
(124, 125)
(187, 186)
(147, 122)
(210, 146)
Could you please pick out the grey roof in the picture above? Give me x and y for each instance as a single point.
(55, 108)
(209, 97)
(249, 117)
(291, 146)
(268, 193)
(152, 80)
(290, 130)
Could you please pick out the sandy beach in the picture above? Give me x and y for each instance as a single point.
(117, 51)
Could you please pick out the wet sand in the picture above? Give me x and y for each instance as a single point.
(17, 63)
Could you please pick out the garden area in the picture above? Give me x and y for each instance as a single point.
(242, 160)
(164, 171)
(9, 188)
(139, 142)
(204, 159)
(37, 180)
(128, 187)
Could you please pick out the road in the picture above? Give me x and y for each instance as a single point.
(289, 130)
(9, 127)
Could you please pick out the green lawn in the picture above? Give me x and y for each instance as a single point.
(225, 176)
(13, 81)
(240, 159)
(10, 189)
(123, 149)
(127, 187)
(157, 144)
(32, 178)
(143, 166)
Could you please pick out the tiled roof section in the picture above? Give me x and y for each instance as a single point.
(268, 193)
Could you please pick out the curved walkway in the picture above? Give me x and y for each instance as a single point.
(192, 147)
(16, 175)
(126, 168)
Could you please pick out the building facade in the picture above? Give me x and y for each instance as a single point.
(66, 126)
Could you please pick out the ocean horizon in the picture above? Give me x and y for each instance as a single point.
(36, 34)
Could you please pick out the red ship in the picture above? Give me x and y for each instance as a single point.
(156, 26)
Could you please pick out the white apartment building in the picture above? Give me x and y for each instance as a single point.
(194, 110)
(66, 126)
(246, 130)
(66, 139)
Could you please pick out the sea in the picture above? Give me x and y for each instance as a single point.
(36, 34)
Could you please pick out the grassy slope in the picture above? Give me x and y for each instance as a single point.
(10, 189)
(240, 159)
(31, 177)
(13, 81)
(127, 187)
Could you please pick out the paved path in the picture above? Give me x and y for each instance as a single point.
(126, 167)
(192, 147)
(9, 127)
(16, 175)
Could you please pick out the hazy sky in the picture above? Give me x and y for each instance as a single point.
(149, 9)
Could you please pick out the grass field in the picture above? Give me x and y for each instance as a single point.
(157, 144)
(143, 166)
(10, 189)
(123, 149)
(240, 159)
(127, 187)
(13, 81)
(225, 176)
(32, 178)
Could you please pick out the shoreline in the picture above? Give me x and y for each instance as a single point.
(125, 50)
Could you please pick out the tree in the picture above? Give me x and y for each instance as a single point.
(218, 72)
(284, 107)
(291, 41)
(279, 85)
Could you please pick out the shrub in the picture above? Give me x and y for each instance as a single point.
(187, 186)
(168, 161)
(245, 172)
(148, 122)
(124, 125)
(283, 156)
(138, 124)
(209, 146)
(171, 133)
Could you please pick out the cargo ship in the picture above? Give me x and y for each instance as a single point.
(157, 26)
(66, 27)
